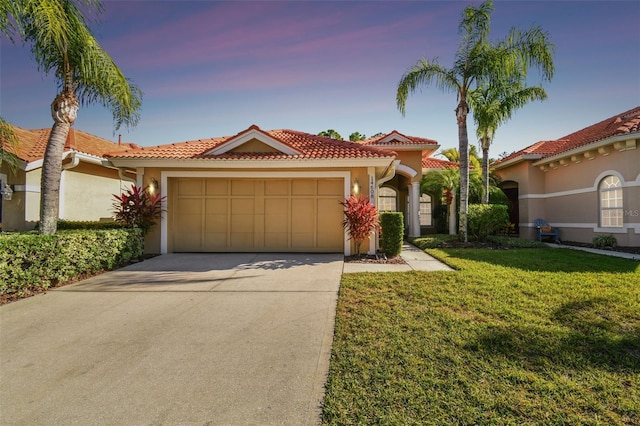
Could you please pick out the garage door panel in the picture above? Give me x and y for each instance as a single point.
(219, 187)
(276, 187)
(303, 187)
(215, 241)
(242, 187)
(190, 187)
(302, 215)
(216, 206)
(331, 187)
(212, 214)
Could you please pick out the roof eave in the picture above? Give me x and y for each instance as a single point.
(516, 160)
(588, 147)
(202, 163)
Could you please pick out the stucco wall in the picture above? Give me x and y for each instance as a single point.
(567, 195)
(87, 193)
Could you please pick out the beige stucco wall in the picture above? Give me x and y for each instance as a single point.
(13, 210)
(567, 196)
(412, 159)
(86, 192)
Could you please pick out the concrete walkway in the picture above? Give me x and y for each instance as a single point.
(220, 339)
(416, 260)
(631, 256)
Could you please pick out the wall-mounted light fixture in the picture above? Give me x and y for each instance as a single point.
(356, 186)
(153, 186)
(7, 192)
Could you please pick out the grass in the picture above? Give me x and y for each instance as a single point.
(526, 336)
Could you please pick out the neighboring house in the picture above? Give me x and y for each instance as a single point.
(276, 190)
(585, 184)
(87, 184)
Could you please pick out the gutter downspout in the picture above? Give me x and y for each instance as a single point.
(123, 176)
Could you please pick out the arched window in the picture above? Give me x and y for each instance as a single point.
(387, 199)
(425, 210)
(611, 212)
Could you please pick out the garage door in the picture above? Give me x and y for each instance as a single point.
(276, 215)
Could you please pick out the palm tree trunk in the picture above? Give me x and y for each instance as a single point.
(485, 173)
(63, 112)
(463, 147)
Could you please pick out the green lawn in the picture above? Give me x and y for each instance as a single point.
(527, 336)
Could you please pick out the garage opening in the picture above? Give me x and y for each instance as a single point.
(263, 215)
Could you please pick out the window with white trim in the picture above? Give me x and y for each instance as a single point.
(611, 212)
(425, 210)
(387, 199)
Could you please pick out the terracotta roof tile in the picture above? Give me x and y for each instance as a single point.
(435, 163)
(310, 147)
(32, 144)
(403, 140)
(626, 122)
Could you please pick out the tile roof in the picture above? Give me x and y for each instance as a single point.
(310, 147)
(619, 124)
(32, 144)
(401, 140)
(435, 163)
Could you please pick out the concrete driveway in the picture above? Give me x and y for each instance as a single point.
(238, 339)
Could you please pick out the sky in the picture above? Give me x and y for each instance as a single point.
(212, 68)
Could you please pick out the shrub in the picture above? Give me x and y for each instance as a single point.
(34, 261)
(360, 219)
(486, 219)
(68, 224)
(137, 208)
(392, 233)
(605, 241)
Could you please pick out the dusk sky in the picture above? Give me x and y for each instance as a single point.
(211, 68)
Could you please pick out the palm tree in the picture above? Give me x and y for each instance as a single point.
(493, 105)
(8, 139)
(477, 61)
(63, 44)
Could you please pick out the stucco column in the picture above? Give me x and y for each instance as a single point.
(373, 199)
(414, 210)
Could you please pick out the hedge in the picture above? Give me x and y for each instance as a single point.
(392, 224)
(486, 219)
(30, 262)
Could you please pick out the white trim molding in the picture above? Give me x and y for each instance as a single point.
(592, 226)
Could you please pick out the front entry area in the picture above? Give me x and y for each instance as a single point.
(255, 215)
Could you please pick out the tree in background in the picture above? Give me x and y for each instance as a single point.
(62, 43)
(477, 61)
(494, 104)
(357, 136)
(330, 134)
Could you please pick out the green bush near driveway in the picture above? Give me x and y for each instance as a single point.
(392, 224)
(521, 336)
(33, 262)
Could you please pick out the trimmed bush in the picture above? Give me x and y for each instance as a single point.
(29, 262)
(69, 225)
(605, 241)
(486, 219)
(392, 233)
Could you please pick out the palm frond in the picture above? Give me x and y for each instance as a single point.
(423, 73)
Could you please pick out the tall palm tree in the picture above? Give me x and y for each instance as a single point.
(494, 104)
(477, 60)
(62, 43)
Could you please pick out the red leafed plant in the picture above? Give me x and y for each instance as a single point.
(137, 208)
(360, 219)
